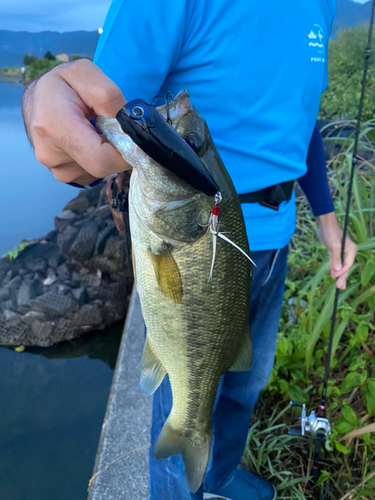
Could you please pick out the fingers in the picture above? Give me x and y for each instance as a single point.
(95, 89)
(341, 271)
(57, 121)
(341, 281)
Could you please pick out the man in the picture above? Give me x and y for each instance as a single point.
(255, 72)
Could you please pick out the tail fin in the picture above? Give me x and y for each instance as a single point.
(195, 448)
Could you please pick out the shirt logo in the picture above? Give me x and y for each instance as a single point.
(316, 40)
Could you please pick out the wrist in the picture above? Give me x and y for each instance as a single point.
(328, 221)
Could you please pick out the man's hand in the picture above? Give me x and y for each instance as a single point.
(57, 108)
(331, 236)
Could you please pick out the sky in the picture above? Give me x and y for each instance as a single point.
(55, 15)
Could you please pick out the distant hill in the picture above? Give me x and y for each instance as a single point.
(15, 44)
(350, 14)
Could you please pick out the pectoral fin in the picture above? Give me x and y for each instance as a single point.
(153, 371)
(168, 276)
(244, 357)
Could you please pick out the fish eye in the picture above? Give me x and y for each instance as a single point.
(138, 111)
(196, 142)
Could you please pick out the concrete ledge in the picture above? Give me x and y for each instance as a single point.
(121, 466)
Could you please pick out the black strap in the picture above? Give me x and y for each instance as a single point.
(271, 196)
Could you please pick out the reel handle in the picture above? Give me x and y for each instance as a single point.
(294, 432)
(296, 403)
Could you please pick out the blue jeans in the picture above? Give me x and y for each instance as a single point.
(237, 393)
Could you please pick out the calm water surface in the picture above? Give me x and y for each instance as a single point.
(30, 196)
(52, 401)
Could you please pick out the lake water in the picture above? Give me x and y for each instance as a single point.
(30, 196)
(52, 401)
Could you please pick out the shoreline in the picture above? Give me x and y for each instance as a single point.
(17, 79)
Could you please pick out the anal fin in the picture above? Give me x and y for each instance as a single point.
(153, 371)
(244, 357)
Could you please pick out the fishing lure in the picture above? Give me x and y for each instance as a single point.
(147, 127)
(214, 224)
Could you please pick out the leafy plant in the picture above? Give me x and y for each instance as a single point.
(39, 67)
(27, 59)
(345, 68)
(302, 346)
(48, 55)
(13, 254)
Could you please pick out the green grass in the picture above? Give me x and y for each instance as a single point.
(10, 71)
(347, 464)
(13, 254)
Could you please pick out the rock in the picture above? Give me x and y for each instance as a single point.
(102, 212)
(71, 283)
(12, 319)
(61, 224)
(54, 302)
(92, 280)
(51, 278)
(64, 219)
(63, 271)
(39, 276)
(51, 236)
(74, 279)
(64, 289)
(7, 278)
(112, 247)
(80, 295)
(66, 238)
(4, 294)
(27, 291)
(78, 204)
(103, 236)
(4, 268)
(36, 265)
(92, 292)
(32, 316)
(89, 314)
(84, 244)
(107, 265)
(56, 259)
(76, 276)
(36, 252)
(14, 283)
(66, 215)
(42, 329)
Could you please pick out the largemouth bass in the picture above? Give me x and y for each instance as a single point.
(197, 324)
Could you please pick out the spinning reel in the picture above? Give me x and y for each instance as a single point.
(317, 428)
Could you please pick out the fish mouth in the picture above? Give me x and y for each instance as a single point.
(149, 130)
(178, 106)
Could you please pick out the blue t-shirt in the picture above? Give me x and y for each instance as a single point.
(254, 70)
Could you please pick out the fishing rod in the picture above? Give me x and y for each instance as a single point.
(316, 426)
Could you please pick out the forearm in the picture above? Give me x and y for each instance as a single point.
(315, 183)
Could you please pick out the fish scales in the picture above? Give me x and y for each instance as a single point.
(197, 329)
